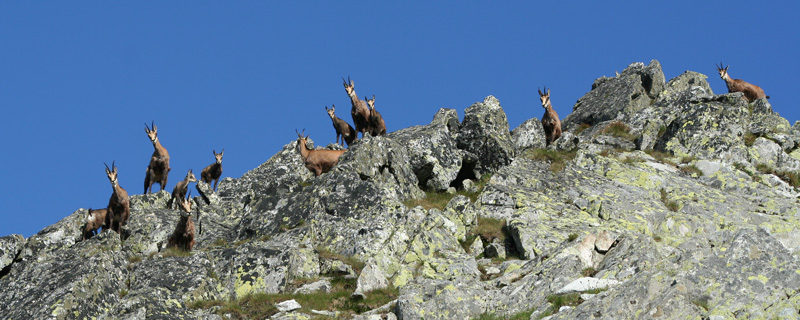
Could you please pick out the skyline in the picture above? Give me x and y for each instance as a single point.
(78, 81)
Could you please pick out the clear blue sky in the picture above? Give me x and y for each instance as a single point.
(78, 80)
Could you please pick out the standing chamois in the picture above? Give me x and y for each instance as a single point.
(751, 91)
(214, 170)
(342, 128)
(318, 161)
(376, 125)
(119, 207)
(180, 189)
(158, 169)
(360, 112)
(550, 121)
(183, 236)
(95, 220)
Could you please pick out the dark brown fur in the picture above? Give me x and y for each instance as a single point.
(318, 161)
(183, 236)
(95, 220)
(214, 170)
(376, 125)
(360, 111)
(158, 169)
(343, 129)
(119, 208)
(550, 121)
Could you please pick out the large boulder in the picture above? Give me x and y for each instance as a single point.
(484, 134)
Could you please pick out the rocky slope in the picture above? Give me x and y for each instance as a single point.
(661, 200)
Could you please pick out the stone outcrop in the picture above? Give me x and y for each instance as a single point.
(661, 200)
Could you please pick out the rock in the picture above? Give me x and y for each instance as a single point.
(484, 133)
(495, 250)
(371, 278)
(476, 248)
(323, 285)
(604, 241)
(587, 284)
(10, 247)
(611, 98)
(529, 134)
(288, 305)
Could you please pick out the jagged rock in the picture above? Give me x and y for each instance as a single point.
(476, 248)
(207, 193)
(612, 98)
(529, 134)
(495, 250)
(371, 278)
(432, 149)
(484, 133)
(720, 244)
(10, 247)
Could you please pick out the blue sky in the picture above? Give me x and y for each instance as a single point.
(79, 80)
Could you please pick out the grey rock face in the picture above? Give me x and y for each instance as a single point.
(529, 134)
(612, 98)
(10, 247)
(484, 133)
(432, 149)
(371, 278)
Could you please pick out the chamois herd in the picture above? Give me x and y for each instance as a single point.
(366, 120)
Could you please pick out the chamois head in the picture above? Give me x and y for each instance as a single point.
(723, 72)
(152, 131)
(190, 177)
(218, 156)
(545, 97)
(370, 102)
(186, 204)
(350, 88)
(331, 111)
(112, 174)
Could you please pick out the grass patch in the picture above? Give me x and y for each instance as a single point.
(661, 131)
(792, 178)
(691, 170)
(558, 159)
(489, 229)
(702, 303)
(134, 259)
(657, 238)
(123, 293)
(262, 305)
(439, 200)
(325, 253)
(175, 252)
(620, 130)
(663, 157)
(588, 272)
(749, 138)
(582, 128)
(572, 237)
(670, 204)
(522, 315)
(559, 300)
(220, 242)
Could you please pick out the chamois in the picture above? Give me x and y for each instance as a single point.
(214, 170)
(360, 112)
(751, 91)
(158, 169)
(318, 161)
(343, 128)
(550, 121)
(95, 220)
(119, 208)
(183, 236)
(376, 125)
(180, 189)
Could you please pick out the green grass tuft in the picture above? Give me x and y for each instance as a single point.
(620, 130)
(670, 204)
(558, 159)
(439, 200)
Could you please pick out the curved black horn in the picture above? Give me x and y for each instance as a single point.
(106, 166)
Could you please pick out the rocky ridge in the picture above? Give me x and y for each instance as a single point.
(660, 200)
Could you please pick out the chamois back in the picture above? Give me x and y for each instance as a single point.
(94, 221)
(751, 91)
(317, 161)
